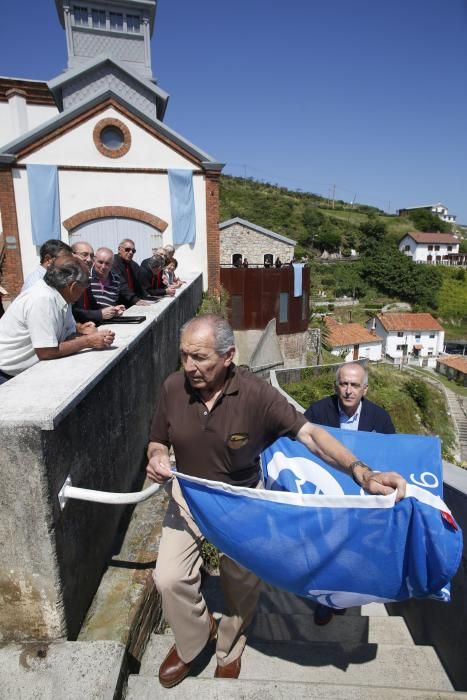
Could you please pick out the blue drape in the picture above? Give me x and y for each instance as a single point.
(182, 203)
(44, 202)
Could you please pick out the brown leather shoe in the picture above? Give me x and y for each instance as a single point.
(232, 670)
(173, 670)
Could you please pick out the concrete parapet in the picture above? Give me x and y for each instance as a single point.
(87, 416)
(439, 624)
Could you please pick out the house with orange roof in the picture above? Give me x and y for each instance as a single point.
(352, 341)
(417, 338)
(432, 248)
(454, 367)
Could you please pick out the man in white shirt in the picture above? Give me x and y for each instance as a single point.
(34, 326)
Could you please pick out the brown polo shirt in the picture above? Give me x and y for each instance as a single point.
(223, 444)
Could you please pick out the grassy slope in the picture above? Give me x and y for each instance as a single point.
(388, 388)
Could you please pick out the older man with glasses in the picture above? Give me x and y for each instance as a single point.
(127, 269)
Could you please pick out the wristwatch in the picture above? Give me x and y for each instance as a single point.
(357, 463)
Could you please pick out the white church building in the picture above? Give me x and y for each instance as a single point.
(87, 155)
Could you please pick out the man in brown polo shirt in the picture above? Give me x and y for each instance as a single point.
(219, 418)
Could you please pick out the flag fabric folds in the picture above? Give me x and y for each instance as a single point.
(313, 532)
(182, 204)
(44, 202)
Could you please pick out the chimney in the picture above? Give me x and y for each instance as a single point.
(18, 111)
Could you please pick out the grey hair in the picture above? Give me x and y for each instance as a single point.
(156, 262)
(354, 364)
(104, 249)
(169, 249)
(125, 240)
(59, 276)
(223, 333)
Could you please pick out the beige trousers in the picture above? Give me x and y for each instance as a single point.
(178, 579)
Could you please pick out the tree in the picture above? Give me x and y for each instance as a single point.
(425, 220)
(373, 232)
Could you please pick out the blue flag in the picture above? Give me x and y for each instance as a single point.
(315, 533)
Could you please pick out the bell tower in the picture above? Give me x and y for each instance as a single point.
(120, 29)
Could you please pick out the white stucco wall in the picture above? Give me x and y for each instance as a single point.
(369, 351)
(420, 251)
(35, 115)
(410, 338)
(86, 190)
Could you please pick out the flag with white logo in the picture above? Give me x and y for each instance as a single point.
(312, 531)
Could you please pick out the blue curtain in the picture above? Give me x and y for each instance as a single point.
(182, 204)
(44, 202)
(297, 271)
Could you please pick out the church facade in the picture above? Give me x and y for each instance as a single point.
(111, 167)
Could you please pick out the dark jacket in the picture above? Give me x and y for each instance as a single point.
(128, 296)
(373, 418)
(151, 282)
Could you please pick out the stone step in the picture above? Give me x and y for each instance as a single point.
(378, 665)
(276, 627)
(144, 688)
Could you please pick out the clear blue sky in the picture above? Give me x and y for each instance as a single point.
(366, 95)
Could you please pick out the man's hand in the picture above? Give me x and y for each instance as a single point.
(108, 312)
(119, 309)
(158, 468)
(100, 340)
(86, 328)
(170, 292)
(382, 483)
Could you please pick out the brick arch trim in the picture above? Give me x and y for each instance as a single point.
(83, 217)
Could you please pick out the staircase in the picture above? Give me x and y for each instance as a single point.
(458, 412)
(363, 655)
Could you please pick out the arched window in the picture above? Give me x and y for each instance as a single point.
(237, 259)
(268, 260)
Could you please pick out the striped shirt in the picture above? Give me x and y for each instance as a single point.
(106, 292)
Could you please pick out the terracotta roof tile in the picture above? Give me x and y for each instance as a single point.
(340, 334)
(420, 237)
(409, 322)
(456, 362)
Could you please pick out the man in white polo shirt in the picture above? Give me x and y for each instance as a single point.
(34, 327)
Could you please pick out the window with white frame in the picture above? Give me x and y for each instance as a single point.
(133, 23)
(98, 19)
(116, 21)
(80, 15)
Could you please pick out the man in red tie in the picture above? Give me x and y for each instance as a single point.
(127, 269)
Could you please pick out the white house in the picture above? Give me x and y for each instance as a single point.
(98, 129)
(431, 248)
(439, 209)
(352, 341)
(417, 338)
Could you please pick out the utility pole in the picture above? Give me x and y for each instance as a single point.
(333, 195)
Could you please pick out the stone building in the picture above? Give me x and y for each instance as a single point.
(240, 239)
(110, 161)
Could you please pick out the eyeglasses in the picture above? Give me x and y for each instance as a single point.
(130, 250)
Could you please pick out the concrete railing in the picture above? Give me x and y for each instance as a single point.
(440, 625)
(88, 416)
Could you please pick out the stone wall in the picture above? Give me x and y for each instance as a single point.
(251, 245)
(87, 416)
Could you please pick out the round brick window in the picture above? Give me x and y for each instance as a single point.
(112, 138)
